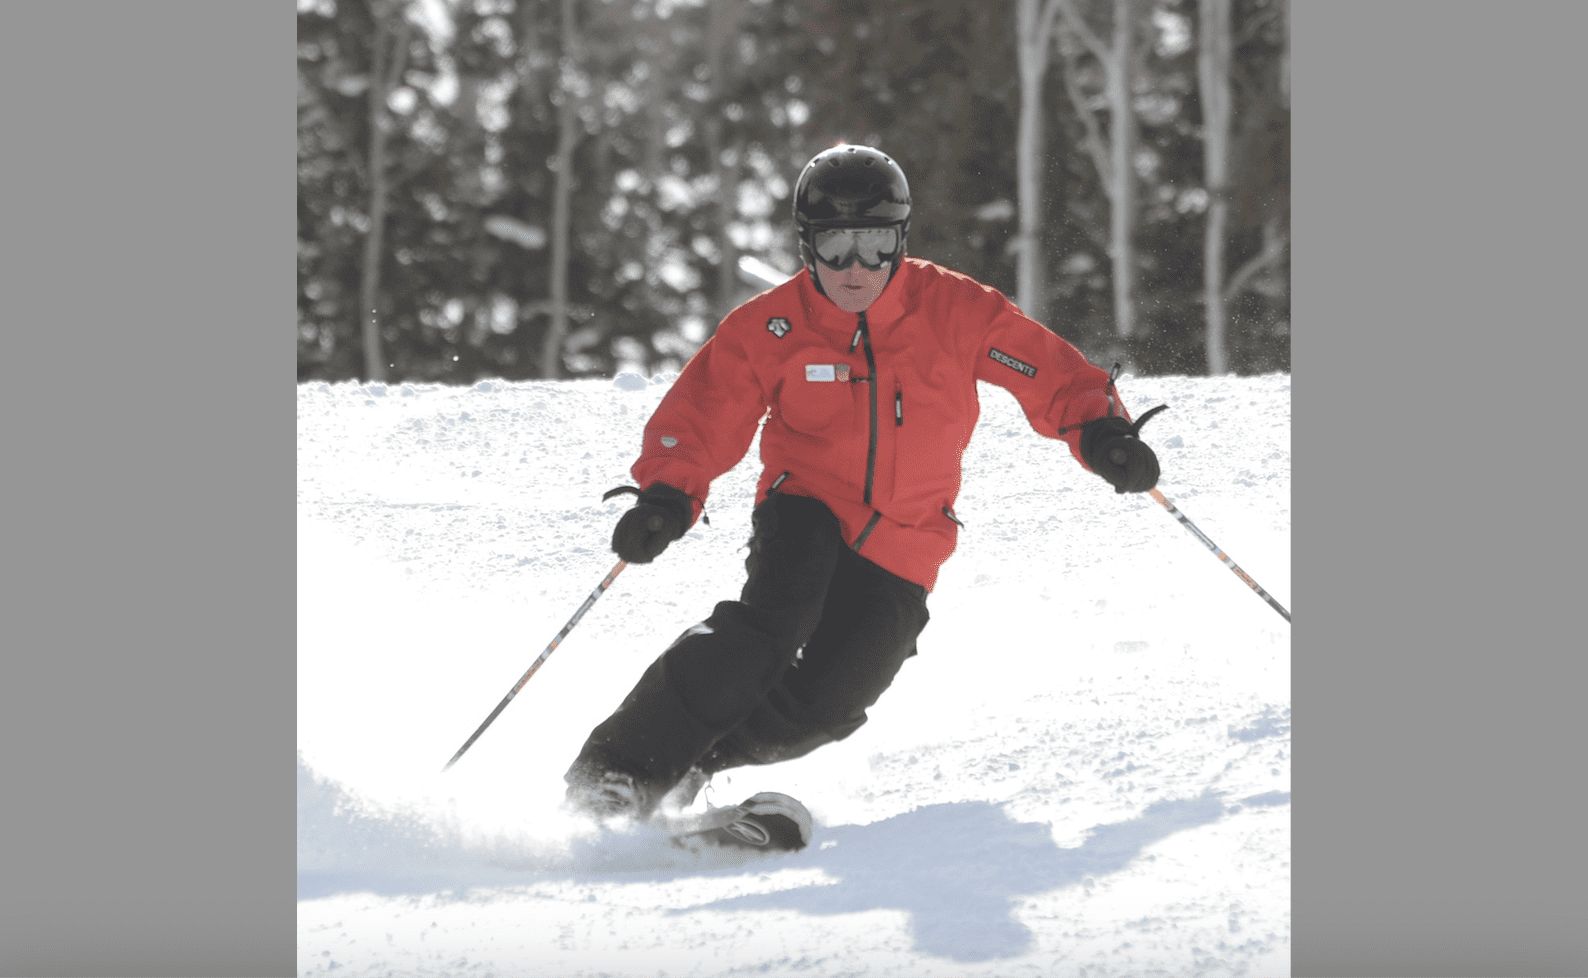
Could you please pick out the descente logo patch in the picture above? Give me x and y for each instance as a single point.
(1011, 362)
(778, 326)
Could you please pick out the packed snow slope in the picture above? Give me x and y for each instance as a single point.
(1085, 771)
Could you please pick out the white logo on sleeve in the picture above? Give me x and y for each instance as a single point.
(778, 326)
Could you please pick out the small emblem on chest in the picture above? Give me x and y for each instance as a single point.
(828, 372)
(778, 326)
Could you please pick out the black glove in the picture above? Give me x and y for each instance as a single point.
(1110, 447)
(660, 517)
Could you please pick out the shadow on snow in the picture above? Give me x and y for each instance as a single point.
(959, 869)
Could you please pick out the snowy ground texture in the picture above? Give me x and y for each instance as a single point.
(1085, 772)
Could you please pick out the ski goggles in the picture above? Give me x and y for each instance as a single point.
(837, 248)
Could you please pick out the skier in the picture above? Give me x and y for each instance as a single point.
(864, 366)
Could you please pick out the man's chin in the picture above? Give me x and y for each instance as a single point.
(853, 302)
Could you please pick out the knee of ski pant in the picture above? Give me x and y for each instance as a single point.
(723, 667)
(865, 638)
(831, 718)
(841, 708)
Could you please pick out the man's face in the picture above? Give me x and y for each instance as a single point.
(855, 288)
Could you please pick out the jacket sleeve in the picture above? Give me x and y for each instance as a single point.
(705, 423)
(1055, 385)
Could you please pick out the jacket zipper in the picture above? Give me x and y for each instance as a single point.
(864, 335)
(871, 524)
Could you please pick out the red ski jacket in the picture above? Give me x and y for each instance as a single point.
(869, 413)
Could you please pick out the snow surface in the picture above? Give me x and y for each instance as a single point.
(1086, 771)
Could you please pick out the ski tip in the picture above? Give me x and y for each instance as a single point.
(767, 822)
(786, 818)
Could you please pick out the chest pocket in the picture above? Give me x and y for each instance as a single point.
(818, 400)
(933, 415)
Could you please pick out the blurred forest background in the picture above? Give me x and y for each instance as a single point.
(569, 188)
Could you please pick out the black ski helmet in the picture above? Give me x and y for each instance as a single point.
(850, 186)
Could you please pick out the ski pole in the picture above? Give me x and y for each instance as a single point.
(1217, 552)
(600, 589)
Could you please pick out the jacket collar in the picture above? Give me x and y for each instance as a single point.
(888, 308)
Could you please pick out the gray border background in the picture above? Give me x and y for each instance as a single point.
(1438, 219)
(147, 698)
(147, 703)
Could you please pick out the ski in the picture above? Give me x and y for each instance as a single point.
(767, 822)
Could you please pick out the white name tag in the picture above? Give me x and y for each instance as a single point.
(821, 371)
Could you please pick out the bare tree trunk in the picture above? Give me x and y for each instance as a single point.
(1212, 286)
(561, 209)
(369, 282)
(1028, 156)
(722, 29)
(1035, 18)
(1274, 244)
(1122, 126)
(1213, 81)
(1114, 156)
(1284, 58)
(381, 83)
(533, 58)
(727, 254)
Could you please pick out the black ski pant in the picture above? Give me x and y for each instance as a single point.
(815, 638)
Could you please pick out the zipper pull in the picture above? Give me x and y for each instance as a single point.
(856, 341)
(898, 408)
